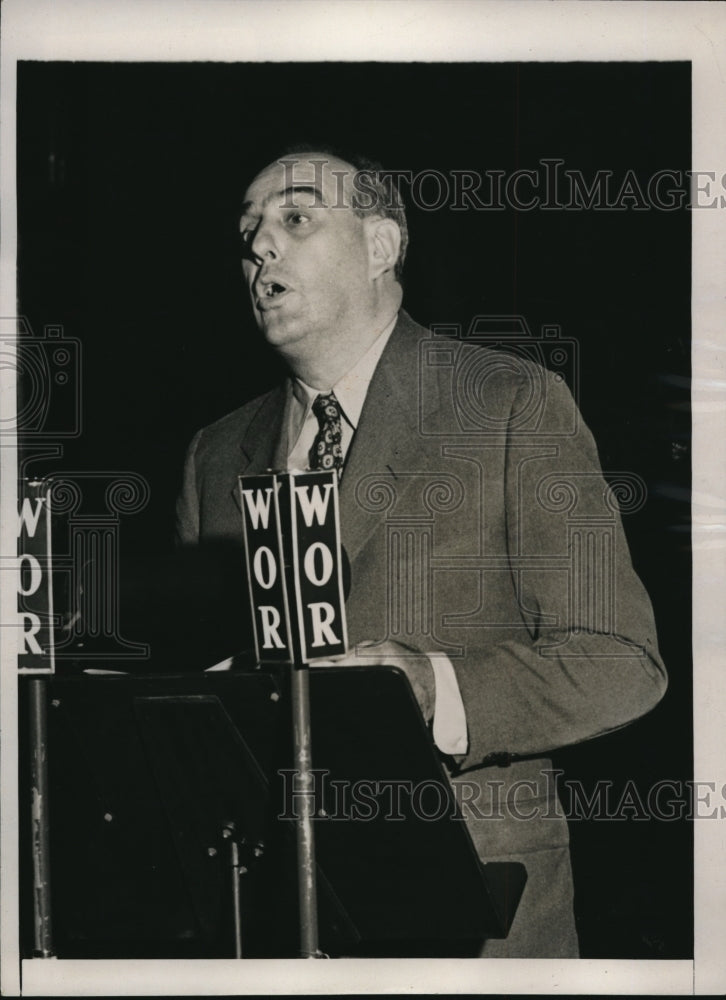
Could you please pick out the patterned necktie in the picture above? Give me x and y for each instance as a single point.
(327, 450)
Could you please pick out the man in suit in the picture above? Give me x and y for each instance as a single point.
(487, 556)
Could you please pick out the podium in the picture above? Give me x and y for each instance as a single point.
(172, 805)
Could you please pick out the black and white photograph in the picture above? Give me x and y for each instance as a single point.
(361, 435)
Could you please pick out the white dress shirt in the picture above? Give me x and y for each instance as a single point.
(449, 725)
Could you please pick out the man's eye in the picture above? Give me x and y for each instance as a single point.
(297, 219)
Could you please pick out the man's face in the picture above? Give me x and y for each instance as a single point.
(307, 257)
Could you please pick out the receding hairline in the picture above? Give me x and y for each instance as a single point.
(313, 157)
(333, 163)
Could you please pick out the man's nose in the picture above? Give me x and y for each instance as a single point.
(263, 245)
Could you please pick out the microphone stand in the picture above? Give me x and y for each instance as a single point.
(305, 833)
(290, 522)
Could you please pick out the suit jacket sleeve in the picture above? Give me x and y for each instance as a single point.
(588, 661)
(187, 505)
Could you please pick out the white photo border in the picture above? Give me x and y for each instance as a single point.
(405, 30)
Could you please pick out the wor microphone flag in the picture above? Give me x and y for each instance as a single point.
(294, 566)
(35, 579)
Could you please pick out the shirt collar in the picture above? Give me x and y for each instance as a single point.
(352, 388)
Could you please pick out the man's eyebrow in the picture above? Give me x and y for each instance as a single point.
(248, 206)
(302, 188)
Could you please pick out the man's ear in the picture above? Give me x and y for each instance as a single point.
(384, 241)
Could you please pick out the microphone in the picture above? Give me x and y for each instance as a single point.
(297, 573)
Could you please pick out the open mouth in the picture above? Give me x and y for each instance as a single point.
(270, 294)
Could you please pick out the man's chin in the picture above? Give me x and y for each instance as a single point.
(279, 329)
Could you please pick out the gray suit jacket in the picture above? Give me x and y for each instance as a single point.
(477, 522)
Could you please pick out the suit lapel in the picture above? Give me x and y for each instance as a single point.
(388, 441)
(264, 445)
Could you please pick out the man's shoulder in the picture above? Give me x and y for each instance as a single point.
(446, 346)
(240, 418)
(476, 383)
(231, 429)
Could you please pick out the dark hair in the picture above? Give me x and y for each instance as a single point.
(374, 190)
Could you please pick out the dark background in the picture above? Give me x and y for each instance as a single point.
(130, 181)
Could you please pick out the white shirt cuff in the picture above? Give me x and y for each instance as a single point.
(449, 728)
